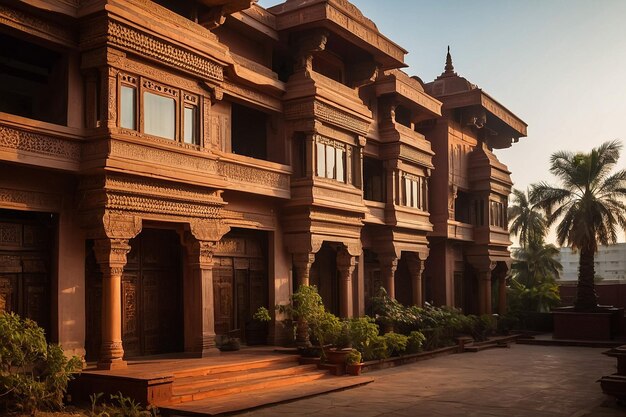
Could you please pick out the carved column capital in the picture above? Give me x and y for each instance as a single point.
(199, 252)
(111, 255)
(120, 226)
(208, 230)
(345, 263)
(302, 263)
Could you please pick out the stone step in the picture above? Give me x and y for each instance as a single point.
(207, 382)
(237, 366)
(239, 387)
(228, 404)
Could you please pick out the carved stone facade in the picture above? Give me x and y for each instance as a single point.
(192, 169)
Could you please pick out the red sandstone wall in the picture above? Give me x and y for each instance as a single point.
(608, 294)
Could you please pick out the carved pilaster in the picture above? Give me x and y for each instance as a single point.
(199, 315)
(111, 257)
(484, 267)
(388, 267)
(345, 265)
(302, 264)
(416, 268)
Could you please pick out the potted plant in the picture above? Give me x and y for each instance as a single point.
(354, 363)
(256, 329)
(308, 312)
(337, 334)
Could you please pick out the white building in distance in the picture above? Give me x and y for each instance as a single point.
(610, 263)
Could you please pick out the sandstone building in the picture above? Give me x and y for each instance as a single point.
(167, 167)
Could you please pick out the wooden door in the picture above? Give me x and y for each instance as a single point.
(152, 315)
(239, 282)
(25, 255)
(223, 295)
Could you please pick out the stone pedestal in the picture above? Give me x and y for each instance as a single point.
(615, 385)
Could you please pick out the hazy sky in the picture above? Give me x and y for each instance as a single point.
(560, 65)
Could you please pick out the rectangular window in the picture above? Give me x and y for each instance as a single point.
(331, 162)
(321, 159)
(340, 162)
(414, 195)
(128, 107)
(159, 115)
(190, 130)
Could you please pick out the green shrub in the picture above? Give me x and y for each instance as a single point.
(376, 348)
(354, 357)
(415, 341)
(363, 332)
(396, 343)
(119, 406)
(33, 374)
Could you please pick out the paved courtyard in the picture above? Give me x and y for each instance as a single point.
(521, 381)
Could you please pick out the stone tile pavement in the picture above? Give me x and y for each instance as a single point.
(524, 381)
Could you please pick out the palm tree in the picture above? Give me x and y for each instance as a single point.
(526, 221)
(533, 277)
(536, 264)
(590, 206)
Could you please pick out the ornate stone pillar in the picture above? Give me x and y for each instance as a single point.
(302, 263)
(345, 265)
(416, 268)
(198, 286)
(388, 267)
(502, 294)
(198, 290)
(484, 292)
(111, 256)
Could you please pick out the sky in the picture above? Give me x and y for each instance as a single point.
(559, 65)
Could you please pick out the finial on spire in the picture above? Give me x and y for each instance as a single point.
(449, 69)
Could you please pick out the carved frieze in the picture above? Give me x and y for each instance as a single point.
(29, 199)
(158, 188)
(21, 140)
(161, 156)
(150, 46)
(36, 26)
(326, 113)
(252, 175)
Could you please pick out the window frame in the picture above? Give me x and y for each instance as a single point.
(321, 164)
(182, 99)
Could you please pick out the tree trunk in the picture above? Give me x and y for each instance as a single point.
(586, 298)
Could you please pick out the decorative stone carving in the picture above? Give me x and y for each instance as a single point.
(166, 53)
(118, 226)
(252, 175)
(111, 255)
(161, 156)
(36, 26)
(31, 199)
(208, 230)
(21, 140)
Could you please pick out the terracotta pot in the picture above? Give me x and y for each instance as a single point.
(354, 369)
(337, 356)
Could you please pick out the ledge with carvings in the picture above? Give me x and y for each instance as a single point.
(32, 142)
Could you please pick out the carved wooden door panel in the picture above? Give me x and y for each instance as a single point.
(25, 265)
(152, 320)
(130, 313)
(223, 295)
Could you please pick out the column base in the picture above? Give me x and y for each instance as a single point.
(112, 365)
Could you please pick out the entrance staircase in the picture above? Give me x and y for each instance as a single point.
(228, 388)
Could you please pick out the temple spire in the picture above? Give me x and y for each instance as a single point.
(449, 69)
